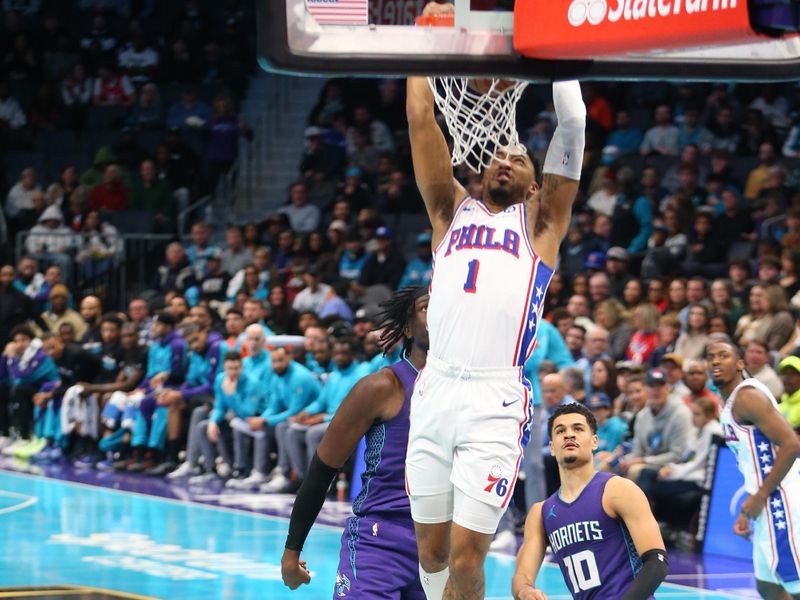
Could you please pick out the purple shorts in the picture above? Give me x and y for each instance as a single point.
(378, 561)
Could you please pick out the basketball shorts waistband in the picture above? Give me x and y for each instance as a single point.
(467, 373)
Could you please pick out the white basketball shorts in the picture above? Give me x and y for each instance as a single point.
(468, 429)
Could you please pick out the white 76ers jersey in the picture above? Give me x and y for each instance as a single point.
(487, 290)
(776, 541)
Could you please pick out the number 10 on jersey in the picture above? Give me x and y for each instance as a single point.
(472, 276)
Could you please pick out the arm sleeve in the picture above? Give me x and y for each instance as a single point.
(309, 501)
(654, 570)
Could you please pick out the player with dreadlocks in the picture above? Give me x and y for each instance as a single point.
(380, 533)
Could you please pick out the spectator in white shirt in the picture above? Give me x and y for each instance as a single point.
(303, 217)
(20, 196)
(77, 88)
(312, 297)
(663, 138)
(50, 240)
(138, 60)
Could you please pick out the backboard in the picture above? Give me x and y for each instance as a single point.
(378, 37)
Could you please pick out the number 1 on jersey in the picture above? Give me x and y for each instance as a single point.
(472, 276)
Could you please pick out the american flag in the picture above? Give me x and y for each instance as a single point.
(339, 12)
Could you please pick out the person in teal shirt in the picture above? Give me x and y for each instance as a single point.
(236, 396)
(299, 436)
(292, 388)
(420, 270)
(611, 430)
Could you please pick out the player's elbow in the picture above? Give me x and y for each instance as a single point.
(792, 445)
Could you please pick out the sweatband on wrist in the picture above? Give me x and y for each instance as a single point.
(309, 501)
(654, 570)
(565, 154)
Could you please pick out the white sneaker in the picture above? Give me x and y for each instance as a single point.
(505, 542)
(203, 479)
(234, 484)
(185, 470)
(12, 448)
(5, 441)
(255, 480)
(276, 484)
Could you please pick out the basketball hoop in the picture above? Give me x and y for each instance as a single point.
(481, 114)
(481, 121)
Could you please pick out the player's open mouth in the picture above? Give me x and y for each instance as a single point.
(716, 372)
(503, 177)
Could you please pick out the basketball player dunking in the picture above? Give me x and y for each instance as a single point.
(766, 451)
(599, 525)
(493, 260)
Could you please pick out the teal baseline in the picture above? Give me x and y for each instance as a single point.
(56, 532)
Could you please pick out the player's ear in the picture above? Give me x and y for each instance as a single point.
(552, 450)
(595, 442)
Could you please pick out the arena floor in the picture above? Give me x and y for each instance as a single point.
(77, 534)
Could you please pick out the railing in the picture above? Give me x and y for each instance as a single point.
(117, 279)
(194, 212)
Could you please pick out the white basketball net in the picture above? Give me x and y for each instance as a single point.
(480, 123)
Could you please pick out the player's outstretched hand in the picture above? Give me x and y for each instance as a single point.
(531, 593)
(742, 527)
(293, 570)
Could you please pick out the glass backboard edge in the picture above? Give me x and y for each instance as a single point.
(277, 55)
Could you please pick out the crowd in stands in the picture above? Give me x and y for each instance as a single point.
(687, 224)
(125, 111)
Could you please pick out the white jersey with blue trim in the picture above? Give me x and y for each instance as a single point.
(777, 530)
(487, 290)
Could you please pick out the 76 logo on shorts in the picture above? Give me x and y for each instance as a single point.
(497, 483)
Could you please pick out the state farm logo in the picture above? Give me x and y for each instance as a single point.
(595, 11)
(581, 11)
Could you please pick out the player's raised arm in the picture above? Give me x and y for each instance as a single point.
(626, 500)
(551, 211)
(530, 557)
(431, 157)
(754, 408)
(365, 404)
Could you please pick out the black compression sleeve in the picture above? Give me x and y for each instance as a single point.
(654, 570)
(309, 501)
